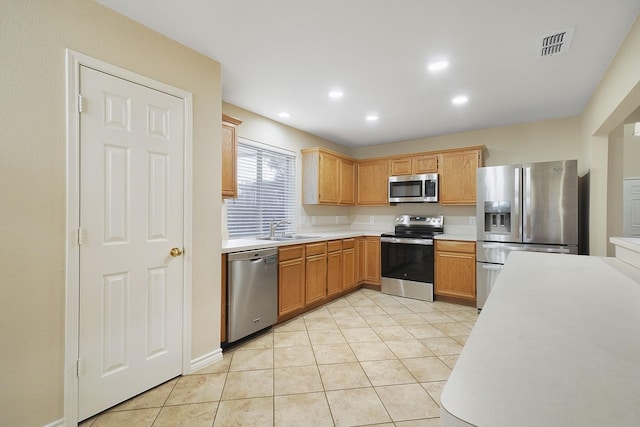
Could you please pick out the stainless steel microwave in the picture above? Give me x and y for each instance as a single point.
(413, 188)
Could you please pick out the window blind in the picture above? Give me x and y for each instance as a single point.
(266, 190)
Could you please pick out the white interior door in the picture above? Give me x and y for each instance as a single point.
(131, 216)
(631, 207)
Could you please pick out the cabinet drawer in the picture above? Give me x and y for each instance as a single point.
(348, 243)
(286, 253)
(456, 246)
(316, 248)
(334, 246)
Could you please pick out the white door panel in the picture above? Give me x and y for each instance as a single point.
(631, 207)
(131, 214)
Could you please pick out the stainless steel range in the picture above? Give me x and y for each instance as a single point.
(407, 256)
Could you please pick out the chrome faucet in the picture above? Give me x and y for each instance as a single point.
(273, 225)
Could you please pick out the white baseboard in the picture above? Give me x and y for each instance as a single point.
(206, 360)
(56, 423)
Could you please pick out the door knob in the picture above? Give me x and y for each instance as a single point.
(176, 252)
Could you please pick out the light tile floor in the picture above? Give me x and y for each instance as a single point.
(364, 359)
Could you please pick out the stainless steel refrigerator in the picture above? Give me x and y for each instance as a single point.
(528, 207)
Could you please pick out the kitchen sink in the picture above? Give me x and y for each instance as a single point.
(286, 237)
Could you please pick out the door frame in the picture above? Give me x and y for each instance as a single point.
(74, 60)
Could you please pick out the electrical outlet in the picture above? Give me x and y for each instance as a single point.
(472, 220)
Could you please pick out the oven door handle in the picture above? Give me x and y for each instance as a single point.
(424, 242)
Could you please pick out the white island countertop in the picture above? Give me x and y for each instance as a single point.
(557, 344)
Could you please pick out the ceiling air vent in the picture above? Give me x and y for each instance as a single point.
(556, 43)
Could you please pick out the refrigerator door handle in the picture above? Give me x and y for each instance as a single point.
(517, 212)
(526, 203)
(527, 248)
(491, 266)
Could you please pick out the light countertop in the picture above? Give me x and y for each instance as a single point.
(238, 245)
(452, 236)
(555, 345)
(627, 249)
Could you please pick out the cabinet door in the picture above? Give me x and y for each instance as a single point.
(347, 182)
(455, 269)
(349, 268)
(229, 180)
(334, 273)
(458, 177)
(424, 164)
(316, 278)
(328, 179)
(290, 286)
(361, 249)
(229, 156)
(401, 166)
(373, 182)
(372, 260)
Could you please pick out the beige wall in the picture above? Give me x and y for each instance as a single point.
(34, 36)
(261, 129)
(616, 97)
(631, 160)
(529, 142)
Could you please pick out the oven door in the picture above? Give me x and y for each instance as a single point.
(407, 267)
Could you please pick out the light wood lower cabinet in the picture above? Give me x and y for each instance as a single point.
(349, 264)
(223, 300)
(372, 260)
(291, 279)
(316, 272)
(455, 269)
(310, 274)
(367, 257)
(334, 267)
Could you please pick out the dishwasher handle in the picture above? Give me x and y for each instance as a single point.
(257, 255)
(267, 260)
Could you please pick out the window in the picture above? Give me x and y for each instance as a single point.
(266, 190)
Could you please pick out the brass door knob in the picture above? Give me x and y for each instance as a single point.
(176, 252)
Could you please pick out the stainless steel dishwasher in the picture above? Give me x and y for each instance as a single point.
(252, 292)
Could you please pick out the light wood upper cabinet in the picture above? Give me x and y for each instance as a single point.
(347, 194)
(229, 156)
(414, 165)
(425, 163)
(455, 269)
(328, 178)
(373, 182)
(401, 166)
(457, 176)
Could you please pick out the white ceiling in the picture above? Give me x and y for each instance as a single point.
(286, 55)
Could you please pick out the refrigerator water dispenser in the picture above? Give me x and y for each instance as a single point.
(497, 216)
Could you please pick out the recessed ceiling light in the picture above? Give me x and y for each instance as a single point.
(335, 94)
(371, 118)
(284, 114)
(460, 99)
(438, 65)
